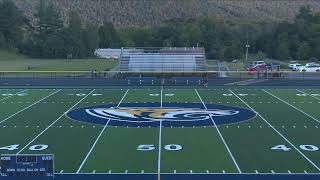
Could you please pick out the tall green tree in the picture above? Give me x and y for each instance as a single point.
(2, 40)
(90, 40)
(304, 51)
(48, 31)
(108, 36)
(74, 44)
(49, 20)
(11, 24)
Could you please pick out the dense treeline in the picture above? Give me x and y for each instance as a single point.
(124, 13)
(48, 36)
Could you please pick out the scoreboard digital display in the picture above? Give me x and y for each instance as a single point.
(27, 165)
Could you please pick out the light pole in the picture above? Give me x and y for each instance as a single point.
(247, 47)
(247, 51)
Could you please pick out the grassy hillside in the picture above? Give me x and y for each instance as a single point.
(153, 12)
(12, 62)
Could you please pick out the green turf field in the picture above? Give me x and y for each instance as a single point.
(283, 137)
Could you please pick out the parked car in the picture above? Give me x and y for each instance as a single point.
(255, 68)
(310, 68)
(311, 64)
(259, 63)
(291, 63)
(295, 67)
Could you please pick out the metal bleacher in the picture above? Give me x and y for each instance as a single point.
(178, 61)
(163, 59)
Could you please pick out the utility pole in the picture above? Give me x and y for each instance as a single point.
(247, 48)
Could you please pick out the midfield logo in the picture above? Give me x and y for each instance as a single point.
(171, 115)
(157, 114)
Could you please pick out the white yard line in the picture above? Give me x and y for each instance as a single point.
(12, 95)
(160, 139)
(292, 106)
(297, 149)
(159, 150)
(28, 106)
(222, 138)
(97, 139)
(161, 96)
(62, 115)
(93, 146)
(308, 93)
(123, 98)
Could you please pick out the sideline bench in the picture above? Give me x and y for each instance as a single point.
(187, 80)
(141, 80)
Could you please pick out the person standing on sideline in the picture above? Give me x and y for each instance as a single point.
(205, 80)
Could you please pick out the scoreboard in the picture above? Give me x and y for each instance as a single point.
(27, 165)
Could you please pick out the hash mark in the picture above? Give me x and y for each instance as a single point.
(61, 171)
(109, 171)
(142, 171)
(207, 171)
(256, 171)
(272, 172)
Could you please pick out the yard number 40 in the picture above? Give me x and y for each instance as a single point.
(37, 147)
(303, 147)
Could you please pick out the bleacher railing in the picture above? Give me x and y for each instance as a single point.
(211, 75)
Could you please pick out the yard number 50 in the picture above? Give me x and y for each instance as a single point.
(151, 147)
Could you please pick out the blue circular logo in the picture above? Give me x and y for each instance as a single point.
(170, 115)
